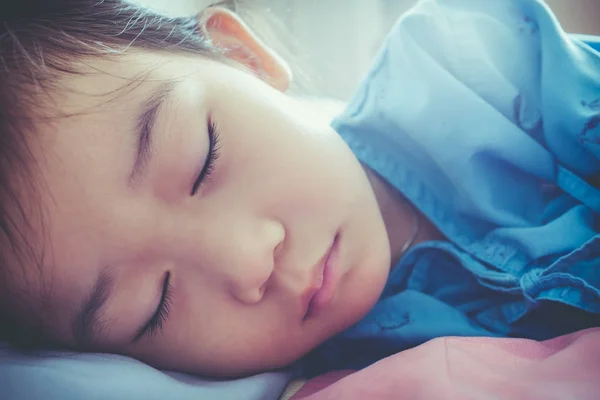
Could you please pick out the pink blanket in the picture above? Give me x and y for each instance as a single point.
(567, 367)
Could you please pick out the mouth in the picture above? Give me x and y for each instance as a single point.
(322, 293)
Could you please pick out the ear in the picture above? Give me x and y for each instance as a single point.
(229, 33)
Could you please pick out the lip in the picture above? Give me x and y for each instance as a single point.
(321, 295)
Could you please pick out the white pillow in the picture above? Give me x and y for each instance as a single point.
(71, 376)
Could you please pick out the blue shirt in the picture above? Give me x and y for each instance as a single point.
(486, 116)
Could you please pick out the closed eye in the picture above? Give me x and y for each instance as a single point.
(211, 158)
(160, 316)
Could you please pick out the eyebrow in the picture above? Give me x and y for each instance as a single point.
(144, 129)
(86, 324)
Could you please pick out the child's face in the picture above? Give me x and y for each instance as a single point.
(242, 253)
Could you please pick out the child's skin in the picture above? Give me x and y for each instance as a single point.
(242, 253)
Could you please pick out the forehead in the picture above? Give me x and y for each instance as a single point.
(115, 80)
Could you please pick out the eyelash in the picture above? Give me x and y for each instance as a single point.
(162, 312)
(213, 155)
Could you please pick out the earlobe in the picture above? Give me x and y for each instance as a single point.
(229, 33)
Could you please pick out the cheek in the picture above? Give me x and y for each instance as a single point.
(220, 337)
(270, 138)
(299, 171)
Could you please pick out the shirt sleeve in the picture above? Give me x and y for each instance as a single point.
(477, 87)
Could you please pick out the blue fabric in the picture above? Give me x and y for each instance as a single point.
(485, 115)
(592, 41)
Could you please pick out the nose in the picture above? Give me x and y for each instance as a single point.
(255, 257)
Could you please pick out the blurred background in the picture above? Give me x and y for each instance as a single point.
(334, 41)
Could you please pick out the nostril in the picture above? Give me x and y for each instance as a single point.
(265, 285)
(263, 289)
(277, 256)
(277, 252)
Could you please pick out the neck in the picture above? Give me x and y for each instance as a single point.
(399, 217)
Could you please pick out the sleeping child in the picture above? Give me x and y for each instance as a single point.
(162, 195)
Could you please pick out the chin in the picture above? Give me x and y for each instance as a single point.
(363, 291)
(373, 280)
